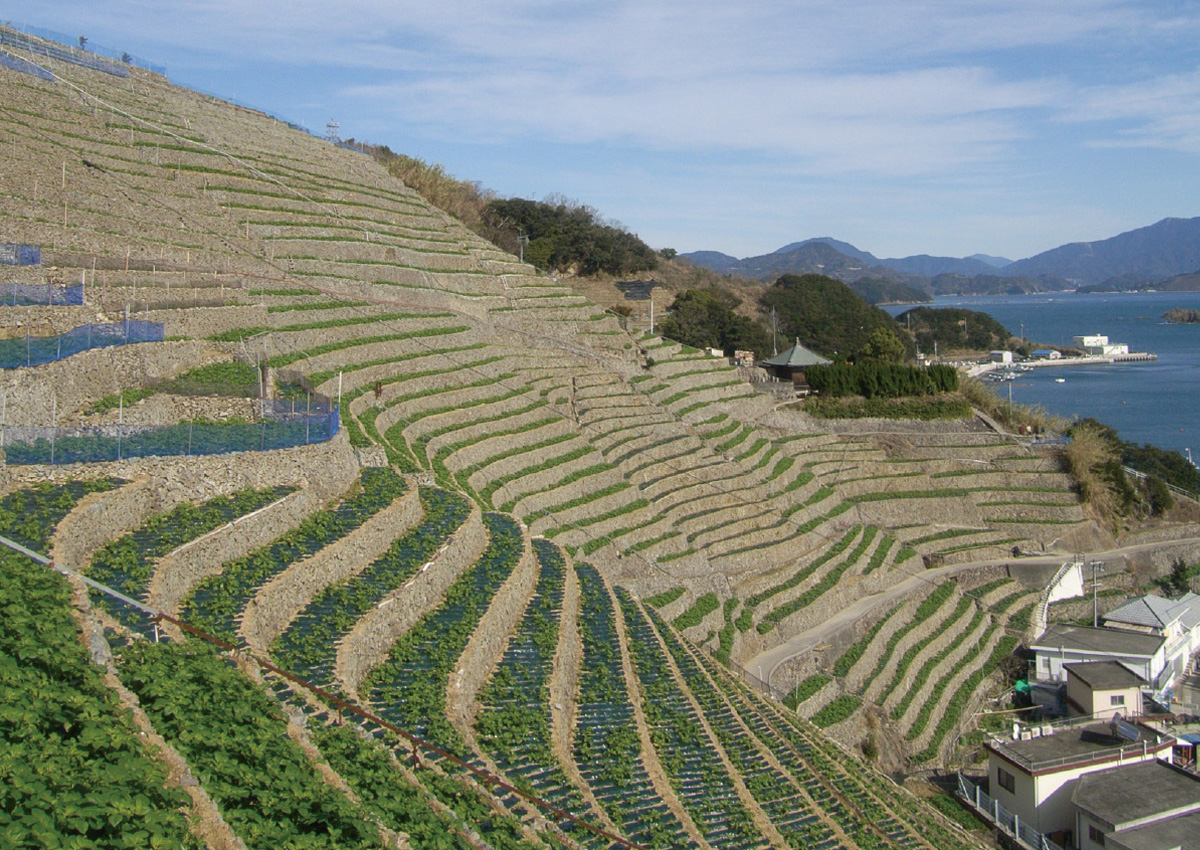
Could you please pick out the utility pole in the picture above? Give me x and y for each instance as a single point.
(1095, 594)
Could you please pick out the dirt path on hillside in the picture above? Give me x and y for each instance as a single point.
(805, 641)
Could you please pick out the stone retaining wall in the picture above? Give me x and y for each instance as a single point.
(33, 393)
(369, 642)
(202, 322)
(487, 645)
(279, 601)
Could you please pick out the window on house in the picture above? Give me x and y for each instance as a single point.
(1095, 835)
(1117, 699)
(1007, 781)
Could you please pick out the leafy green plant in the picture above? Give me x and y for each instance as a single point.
(74, 772)
(806, 690)
(233, 737)
(699, 609)
(215, 602)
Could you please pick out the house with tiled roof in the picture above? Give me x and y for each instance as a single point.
(1176, 621)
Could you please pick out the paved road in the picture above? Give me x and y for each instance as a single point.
(805, 641)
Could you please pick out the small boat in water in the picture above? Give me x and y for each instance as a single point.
(1060, 380)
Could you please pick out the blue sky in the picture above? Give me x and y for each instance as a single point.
(928, 126)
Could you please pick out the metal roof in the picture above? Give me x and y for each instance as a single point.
(796, 356)
(1098, 641)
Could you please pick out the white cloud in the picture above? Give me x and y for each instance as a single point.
(1161, 112)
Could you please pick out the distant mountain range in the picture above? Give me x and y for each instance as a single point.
(1139, 258)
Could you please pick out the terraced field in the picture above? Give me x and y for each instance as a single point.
(541, 542)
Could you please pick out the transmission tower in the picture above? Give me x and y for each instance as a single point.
(331, 131)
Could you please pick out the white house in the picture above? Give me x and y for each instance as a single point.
(1177, 621)
(1001, 357)
(1062, 644)
(1033, 773)
(1147, 806)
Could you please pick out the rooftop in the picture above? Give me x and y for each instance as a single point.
(1072, 745)
(796, 356)
(1104, 675)
(1157, 612)
(1178, 833)
(1099, 641)
(1162, 791)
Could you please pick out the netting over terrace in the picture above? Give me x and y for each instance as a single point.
(62, 54)
(25, 67)
(42, 444)
(30, 294)
(35, 351)
(12, 253)
(98, 49)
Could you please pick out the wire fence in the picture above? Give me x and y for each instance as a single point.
(62, 53)
(16, 254)
(46, 294)
(37, 444)
(23, 66)
(71, 44)
(35, 351)
(1007, 822)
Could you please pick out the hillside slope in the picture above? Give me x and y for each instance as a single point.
(540, 540)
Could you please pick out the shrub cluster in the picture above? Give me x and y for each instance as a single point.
(881, 380)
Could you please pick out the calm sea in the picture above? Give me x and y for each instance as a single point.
(1156, 402)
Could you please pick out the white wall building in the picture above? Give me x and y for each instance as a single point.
(1176, 621)
(1099, 344)
(1063, 643)
(1148, 806)
(1034, 774)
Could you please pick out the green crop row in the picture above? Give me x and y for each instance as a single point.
(965, 604)
(621, 510)
(127, 563)
(880, 554)
(805, 690)
(566, 480)
(384, 791)
(29, 516)
(836, 711)
(425, 437)
(216, 601)
(281, 360)
(827, 582)
(803, 573)
(74, 772)
(953, 709)
(662, 600)
(913, 688)
(234, 739)
(653, 541)
(580, 501)
(925, 610)
(699, 609)
(318, 378)
(847, 660)
(308, 645)
(410, 686)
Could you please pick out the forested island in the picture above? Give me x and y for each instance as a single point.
(1183, 316)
